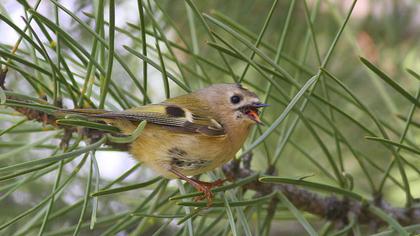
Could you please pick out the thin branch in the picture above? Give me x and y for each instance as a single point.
(332, 207)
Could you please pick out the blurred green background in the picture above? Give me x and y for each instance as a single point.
(182, 54)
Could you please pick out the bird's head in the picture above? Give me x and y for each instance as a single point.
(233, 103)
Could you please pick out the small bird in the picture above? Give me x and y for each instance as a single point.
(189, 134)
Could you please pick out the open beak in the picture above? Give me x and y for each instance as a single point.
(252, 111)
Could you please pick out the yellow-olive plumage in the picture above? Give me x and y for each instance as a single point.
(189, 134)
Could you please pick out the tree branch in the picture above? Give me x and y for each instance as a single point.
(328, 207)
(331, 207)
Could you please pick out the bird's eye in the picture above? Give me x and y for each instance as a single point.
(235, 99)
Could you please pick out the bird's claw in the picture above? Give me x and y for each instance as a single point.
(205, 188)
(207, 194)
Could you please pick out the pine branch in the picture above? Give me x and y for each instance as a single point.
(333, 208)
(328, 207)
(51, 119)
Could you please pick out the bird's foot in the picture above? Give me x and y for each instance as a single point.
(201, 186)
(207, 194)
(205, 188)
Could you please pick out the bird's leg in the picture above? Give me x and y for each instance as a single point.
(204, 187)
(209, 185)
(216, 183)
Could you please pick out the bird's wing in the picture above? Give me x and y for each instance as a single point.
(175, 117)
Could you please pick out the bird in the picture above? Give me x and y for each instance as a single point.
(189, 134)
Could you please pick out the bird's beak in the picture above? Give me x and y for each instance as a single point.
(258, 105)
(253, 113)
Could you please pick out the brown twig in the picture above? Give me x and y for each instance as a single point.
(328, 207)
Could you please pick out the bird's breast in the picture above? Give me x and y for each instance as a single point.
(191, 154)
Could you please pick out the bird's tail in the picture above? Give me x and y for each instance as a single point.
(108, 117)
